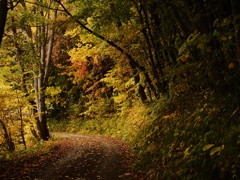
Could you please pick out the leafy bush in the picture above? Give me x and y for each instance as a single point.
(198, 142)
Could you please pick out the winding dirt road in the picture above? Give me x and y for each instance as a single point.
(92, 157)
(78, 157)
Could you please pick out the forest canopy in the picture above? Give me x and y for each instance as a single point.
(161, 75)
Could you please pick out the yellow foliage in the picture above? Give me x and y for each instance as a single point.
(14, 107)
(120, 98)
(53, 91)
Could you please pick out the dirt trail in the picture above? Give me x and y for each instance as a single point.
(92, 158)
(69, 135)
(81, 157)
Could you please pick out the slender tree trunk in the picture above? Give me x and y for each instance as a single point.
(41, 121)
(151, 45)
(136, 76)
(144, 21)
(37, 100)
(8, 143)
(3, 17)
(45, 47)
(22, 127)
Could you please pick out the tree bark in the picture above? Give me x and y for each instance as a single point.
(45, 47)
(8, 143)
(41, 121)
(136, 76)
(3, 17)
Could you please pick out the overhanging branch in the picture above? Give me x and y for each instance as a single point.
(111, 43)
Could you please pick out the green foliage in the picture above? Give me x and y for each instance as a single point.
(192, 142)
(98, 13)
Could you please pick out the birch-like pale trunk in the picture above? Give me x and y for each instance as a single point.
(41, 77)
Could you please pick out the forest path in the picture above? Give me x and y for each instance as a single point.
(92, 157)
(79, 157)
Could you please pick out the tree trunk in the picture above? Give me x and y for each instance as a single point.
(152, 63)
(41, 77)
(41, 109)
(142, 12)
(136, 76)
(3, 17)
(22, 126)
(8, 143)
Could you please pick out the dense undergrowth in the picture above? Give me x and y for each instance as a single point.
(196, 141)
(190, 137)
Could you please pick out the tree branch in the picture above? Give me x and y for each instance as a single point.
(111, 43)
(48, 7)
(49, 54)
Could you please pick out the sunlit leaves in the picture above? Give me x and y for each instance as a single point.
(213, 149)
(208, 146)
(14, 118)
(53, 91)
(103, 12)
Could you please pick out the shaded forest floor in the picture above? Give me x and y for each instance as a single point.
(76, 157)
